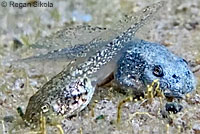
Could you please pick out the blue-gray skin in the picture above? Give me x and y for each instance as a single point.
(142, 62)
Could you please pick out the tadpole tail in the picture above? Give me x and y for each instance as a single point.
(124, 29)
(70, 53)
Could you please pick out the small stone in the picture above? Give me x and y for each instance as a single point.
(9, 118)
(173, 107)
(17, 44)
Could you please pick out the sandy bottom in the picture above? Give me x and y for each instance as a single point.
(176, 26)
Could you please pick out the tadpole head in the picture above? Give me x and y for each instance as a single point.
(174, 74)
(143, 62)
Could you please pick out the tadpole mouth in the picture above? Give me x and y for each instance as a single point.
(168, 91)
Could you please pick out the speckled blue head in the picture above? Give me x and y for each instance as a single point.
(142, 62)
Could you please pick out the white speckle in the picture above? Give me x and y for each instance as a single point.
(75, 92)
(56, 107)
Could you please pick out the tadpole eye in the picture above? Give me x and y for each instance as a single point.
(158, 71)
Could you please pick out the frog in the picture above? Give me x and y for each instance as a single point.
(142, 62)
(70, 91)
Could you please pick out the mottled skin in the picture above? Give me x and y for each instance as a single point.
(72, 89)
(142, 62)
